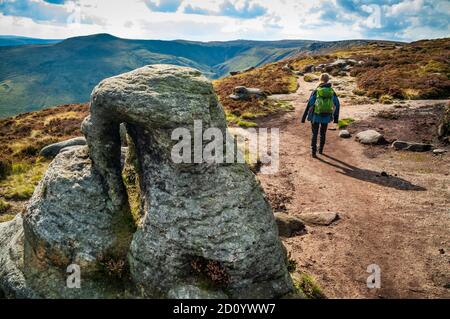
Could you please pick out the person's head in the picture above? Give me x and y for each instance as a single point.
(324, 78)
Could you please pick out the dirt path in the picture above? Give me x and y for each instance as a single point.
(400, 222)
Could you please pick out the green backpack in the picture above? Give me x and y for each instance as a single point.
(324, 101)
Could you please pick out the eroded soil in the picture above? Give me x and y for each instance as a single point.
(400, 222)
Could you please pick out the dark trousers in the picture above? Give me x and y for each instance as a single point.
(316, 127)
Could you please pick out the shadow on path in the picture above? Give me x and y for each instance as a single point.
(371, 176)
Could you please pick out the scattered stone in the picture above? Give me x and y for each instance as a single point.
(384, 174)
(241, 93)
(412, 147)
(419, 147)
(319, 218)
(400, 145)
(345, 134)
(52, 150)
(369, 137)
(439, 151)
(308, 69)
(288, 226)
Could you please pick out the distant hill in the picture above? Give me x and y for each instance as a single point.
(41, 75)
(12, 40)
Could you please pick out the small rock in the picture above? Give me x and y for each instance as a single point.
(52, 150)
(288, 226)
(344, 134)
(399, 145)
(411, 146)
(439, 151)
(419, 147)
(308, 68)
(241, 93)
(319, 218)
(384, 174)
(369, 137)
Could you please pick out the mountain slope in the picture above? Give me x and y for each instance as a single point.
(35, 76)
(12, 40)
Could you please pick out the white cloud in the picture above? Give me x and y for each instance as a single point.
(226, 19)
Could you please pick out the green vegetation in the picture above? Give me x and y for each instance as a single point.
(386, 99)
(306, 286)
(131, 180)
(291, 264)
(309, 78)
(4, 206)
(5, 168)
(344, 123)
(20, 184)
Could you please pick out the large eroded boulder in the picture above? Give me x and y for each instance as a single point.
(207, 211)
(69, 220)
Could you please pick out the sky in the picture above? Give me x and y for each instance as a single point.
(223, 20)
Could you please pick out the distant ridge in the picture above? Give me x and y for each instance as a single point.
(13, 40)
(64, 72)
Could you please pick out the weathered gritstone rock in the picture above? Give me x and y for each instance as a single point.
(70, 220)
(12, 279)
(79, 213)
(214, 211)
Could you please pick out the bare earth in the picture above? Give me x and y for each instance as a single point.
(400, 222)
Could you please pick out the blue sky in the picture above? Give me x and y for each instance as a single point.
(208, 20)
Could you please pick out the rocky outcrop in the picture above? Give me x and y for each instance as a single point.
(338, 67)
(211, 211)
(52, 150)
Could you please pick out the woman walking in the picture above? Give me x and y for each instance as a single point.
(322, 109)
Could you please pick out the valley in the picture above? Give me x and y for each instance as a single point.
(36, 76)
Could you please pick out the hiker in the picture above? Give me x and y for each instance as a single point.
(322, 109)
